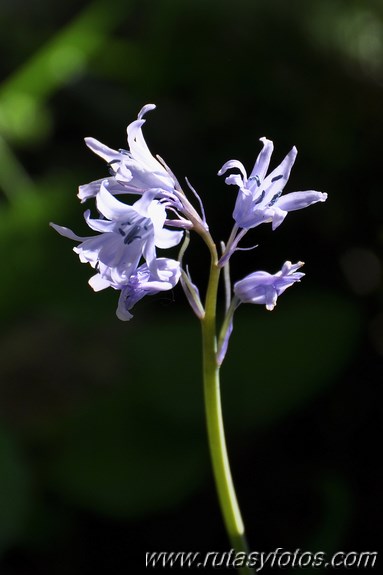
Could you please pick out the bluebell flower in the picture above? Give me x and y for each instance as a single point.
(260, 288)
(137, 171)
(264, 288)
(143, 283)
(126, 234)
(132, 171)
(260, 197)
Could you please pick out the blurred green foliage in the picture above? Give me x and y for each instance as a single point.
(15, 491)
(107, 418)
(24, 94)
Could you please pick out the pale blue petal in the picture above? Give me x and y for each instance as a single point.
(101, 150)
(122, 172)
(89, 190)
(111, 208)
(66, 232)
(98, 283)
(233, 164)
(261, 216)
(167, 238)
(263, 161)
(271, 297)
(234, 180)
(122, 311)
(243, 288)
(99, 225)
(289, 268)
(113, 186)
(149, 254)
(169, 272)
(275, 182)
(278, 217)
(104, 247)
(243, 210)
(147, 208)
(299, 200)
(145, 109)
(89, 250)
(144, 178)
(139, 148)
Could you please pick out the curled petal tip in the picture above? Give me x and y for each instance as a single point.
(144, 109)
(265, 140)
(236, 164)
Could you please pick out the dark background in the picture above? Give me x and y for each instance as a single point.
(103, 452)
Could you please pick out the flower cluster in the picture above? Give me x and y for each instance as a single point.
(128, 235)
(123, 251)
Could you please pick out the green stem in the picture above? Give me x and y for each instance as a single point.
(218, 451)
